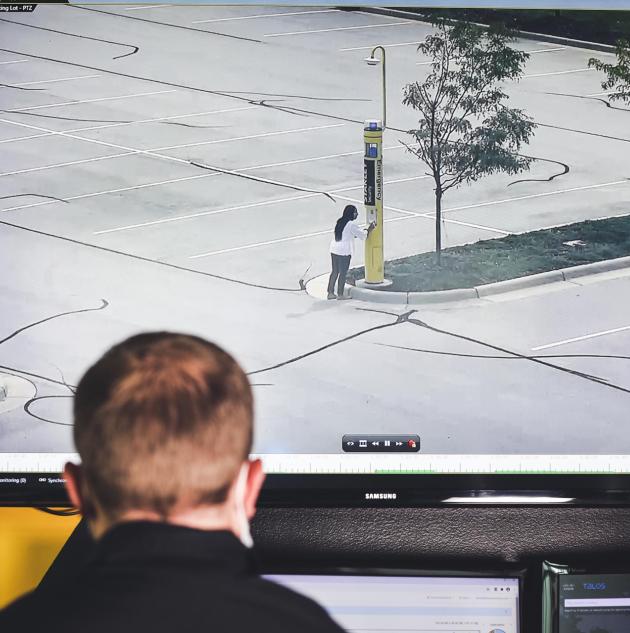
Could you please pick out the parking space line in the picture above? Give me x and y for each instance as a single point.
(546, 50)
(608, 93)
(538, 195)
(110, 191)
(123, 123)
(15, 61)
(251, 205)
(369, 48)
(316, 158)
(163, 182)
(201, 214)
(147, 6)
(342, 28)
(559, 72)
(52, 81)
(266, 15)
(53, 105)
(411, 215)
(581, 338)
(258, 244)
(431, 216)
(538, 50)
(251, 136)
(153, 151)
(68, 164)
(131, 150)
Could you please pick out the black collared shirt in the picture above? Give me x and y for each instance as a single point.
(161, 578)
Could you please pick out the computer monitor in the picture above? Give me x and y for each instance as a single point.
(391, 604)
(592, 598)
(184, 168)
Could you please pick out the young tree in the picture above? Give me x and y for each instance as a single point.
(466, 130)
(617, 75)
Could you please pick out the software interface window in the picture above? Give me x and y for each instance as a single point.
(595, 602)
(424, 605)
(183, 168)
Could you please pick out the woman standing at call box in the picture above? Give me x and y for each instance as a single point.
(341, 247)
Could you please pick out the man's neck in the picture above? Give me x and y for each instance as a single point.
(212, 518)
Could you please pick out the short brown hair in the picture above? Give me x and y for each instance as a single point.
(162, 422)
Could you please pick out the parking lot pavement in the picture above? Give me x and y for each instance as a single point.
(185, 185)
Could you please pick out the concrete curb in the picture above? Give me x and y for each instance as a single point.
(487, 290)
(540, 37)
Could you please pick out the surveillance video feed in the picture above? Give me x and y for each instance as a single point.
(412, 229)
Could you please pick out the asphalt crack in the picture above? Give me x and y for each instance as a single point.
(83, 37)
(175, 26)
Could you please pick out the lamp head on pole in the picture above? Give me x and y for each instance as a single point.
(372, 61)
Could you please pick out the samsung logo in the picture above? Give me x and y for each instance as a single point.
(380, 495)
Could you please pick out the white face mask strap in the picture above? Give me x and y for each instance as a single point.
(245, 534)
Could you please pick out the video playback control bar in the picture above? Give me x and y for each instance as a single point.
(380, 443)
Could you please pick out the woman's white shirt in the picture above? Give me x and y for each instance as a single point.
(344, 246)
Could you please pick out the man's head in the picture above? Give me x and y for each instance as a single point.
(163, 425)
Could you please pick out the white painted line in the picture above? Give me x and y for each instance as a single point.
(538, 50)
(369, 48)
(251, 136)
(608, 93)
(538, 195)
(145, 6)
(110, 191)
(151, 152)
(15, 61)
(581, 338)
(251, 205)
(164, 182)
(411, 215)
(68, 164)
(560, 72)
(52, 81)
(53, 105)
(201, 214)
(108, 125)
(546, 50)
(291, 238)
(342, 28)
(266, 15)
(131, 150)
(317, 158)
(258, 244)
(431, 216)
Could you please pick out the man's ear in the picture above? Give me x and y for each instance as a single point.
(255, 480)
(74, 485)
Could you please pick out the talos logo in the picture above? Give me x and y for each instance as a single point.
(380, 495)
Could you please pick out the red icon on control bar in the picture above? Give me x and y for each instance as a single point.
(411, 443)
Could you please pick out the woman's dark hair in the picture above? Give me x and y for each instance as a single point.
(349, 213)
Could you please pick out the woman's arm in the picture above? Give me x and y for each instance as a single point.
(362, 234)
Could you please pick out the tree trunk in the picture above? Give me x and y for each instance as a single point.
(438, 226)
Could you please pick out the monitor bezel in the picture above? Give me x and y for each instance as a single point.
(349, 490)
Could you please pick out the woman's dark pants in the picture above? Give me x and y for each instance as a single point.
(340, 265)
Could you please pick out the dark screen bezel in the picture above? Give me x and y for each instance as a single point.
(409, 490)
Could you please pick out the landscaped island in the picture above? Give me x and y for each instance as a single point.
(509, 257)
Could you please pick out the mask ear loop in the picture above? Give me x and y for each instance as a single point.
(245, 534)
